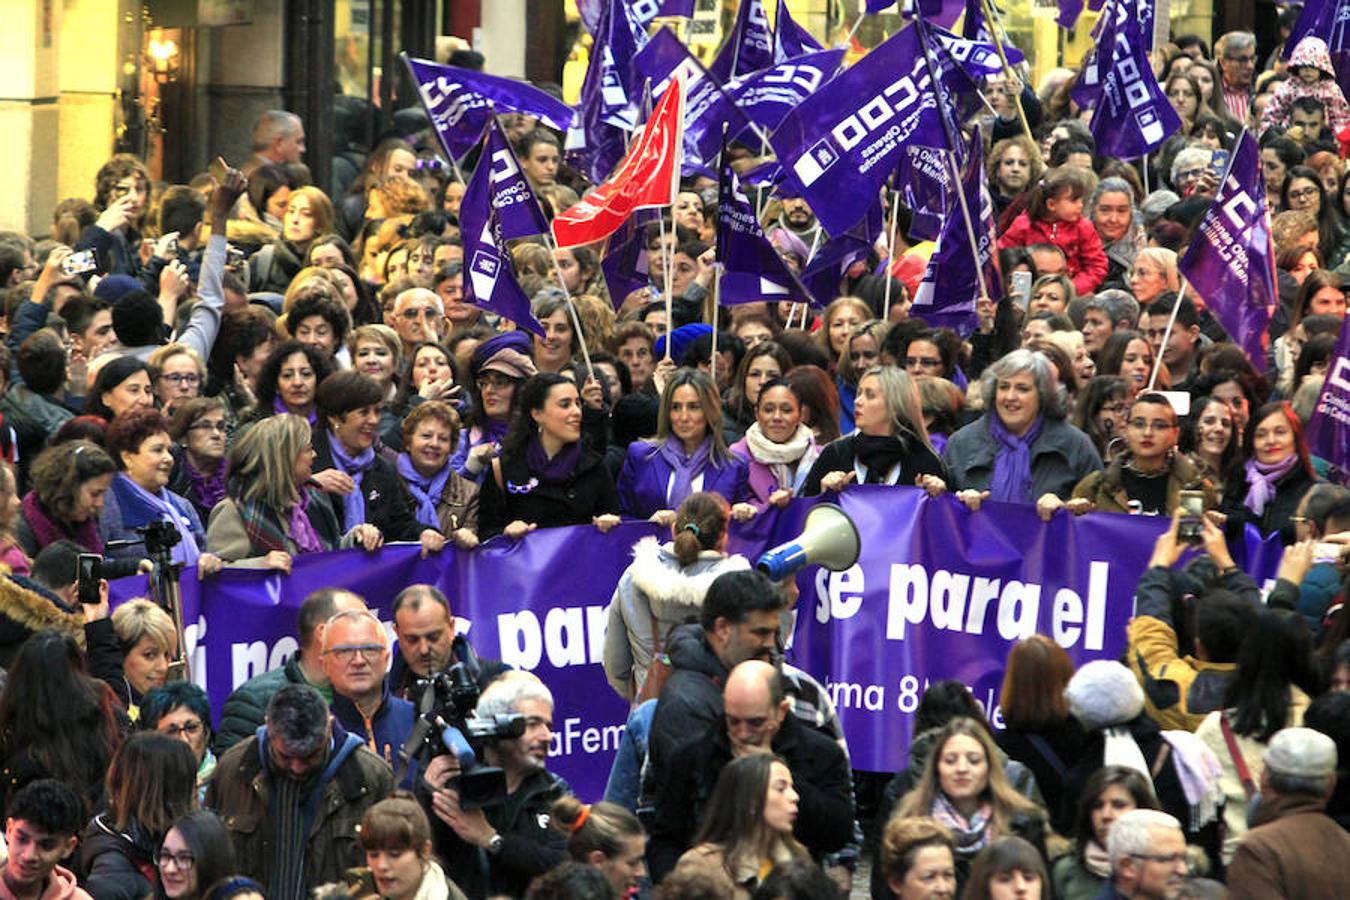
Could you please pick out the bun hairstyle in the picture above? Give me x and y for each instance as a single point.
(700, 523)
(589, 827)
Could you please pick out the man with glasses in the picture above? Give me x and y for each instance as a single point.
(293, 795)
(418, 317)
(1236, 52)
(1147, 852)
(355, 658)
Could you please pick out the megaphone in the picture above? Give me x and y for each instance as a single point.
(830, 539)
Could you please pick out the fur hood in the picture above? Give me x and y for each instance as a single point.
(25, 608)
(657, 573)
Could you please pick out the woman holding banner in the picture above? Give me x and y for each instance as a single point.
(1276, 475)
(891, 444)
(778, 447)
(497, 369)
(546, 477)
(1021, 450)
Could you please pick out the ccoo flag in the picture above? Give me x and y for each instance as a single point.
(767, 96)
(826, 267)
(954, 281)
(459, 102)
(749, 48)
(608, 107)
(1230, 262)
(489, 281)
(516, 206)
(752, 270)
(649, 175)
(841, 143)
(790, 40)
(625, 264)
(1329, 427)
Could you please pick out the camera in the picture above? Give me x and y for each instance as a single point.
(463, 734)
(159, 537)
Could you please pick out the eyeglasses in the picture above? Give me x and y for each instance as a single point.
(190, 728)
(222, 427)
(1145, 425)
(923, 362)
(1303, 193)
(182, 378)
(494, 380)
(1190, 173)
(1170, 859)
(429, 312)
(345, 655)
(1241, 60)
(183, 862)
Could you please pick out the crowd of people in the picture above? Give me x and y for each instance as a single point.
(264, 368)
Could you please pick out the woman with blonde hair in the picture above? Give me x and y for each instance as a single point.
(309, 214)
(11, 553)
(917, 859)
(861, 352)
(177, 373)
(149, 641)
(1014, 165)
(840, 319)
(964, 787)
(1154, 271)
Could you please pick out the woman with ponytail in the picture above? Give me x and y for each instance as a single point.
(606, 836)
(663, 588)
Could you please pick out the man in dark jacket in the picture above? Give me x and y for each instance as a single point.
(355, 657)
(245, 708)
(428, 646)
(739, 621)
(1291, 848)
(292, 795)
(498, 847)
(757, 719)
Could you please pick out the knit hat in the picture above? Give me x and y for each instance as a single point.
(508, 353)
(1103, 693)
(680, 339)
(137, 319)
(114, 287)
(1302, 753)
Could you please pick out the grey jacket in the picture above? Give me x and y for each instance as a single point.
(1061, 457)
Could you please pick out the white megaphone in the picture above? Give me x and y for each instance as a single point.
(829, 539)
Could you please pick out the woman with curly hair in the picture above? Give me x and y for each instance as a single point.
(122, 198)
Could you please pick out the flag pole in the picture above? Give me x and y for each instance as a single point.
(890, 250)
(1167, 334)
(717, 301)
(854, 30)
(665, 269)
(995, 27)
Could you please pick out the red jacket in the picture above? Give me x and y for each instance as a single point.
(1082, 247)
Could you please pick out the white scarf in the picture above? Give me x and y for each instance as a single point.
(780, 458)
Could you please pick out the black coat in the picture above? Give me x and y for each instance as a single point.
(589, 492)
(838, 456)
(820, 775)
(691, 699)
(1049, 758)
(1289, 490)
(114, 865)
(389, 506)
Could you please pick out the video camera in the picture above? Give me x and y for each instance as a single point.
(456, 696)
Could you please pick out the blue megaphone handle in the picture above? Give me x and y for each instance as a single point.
(782, 561)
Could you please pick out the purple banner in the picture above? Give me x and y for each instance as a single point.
(1230, 262)
(939, 592)
(1329, 427)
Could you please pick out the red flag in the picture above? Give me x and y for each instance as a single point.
(648, 175)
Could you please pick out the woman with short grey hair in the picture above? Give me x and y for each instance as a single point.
(1112, 210)
(1021, 450)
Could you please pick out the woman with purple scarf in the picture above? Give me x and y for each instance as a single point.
(69, 483)
(1021, 450)
(497, 369)
(444, 498)
(546, 477)
(273, 511)
(363, 485)
(688, 455)
(198, 429)
(288, 383)
(139, 441)
(1276, 475)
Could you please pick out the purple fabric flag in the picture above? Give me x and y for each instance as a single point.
(1132, 116)
(826, 266)
(876, 6)
(927, 190)
(1329, 427)
(1125, 26)
(841, 143)
(749, 48)
(953, 280)
(791, 40)
(511, 195)
(943, 13)
(459, 102)
(625, 265)
(767, 96)
(1230, 262)
(752, 270)
(609, 95)
(490, 283)
(646, 10)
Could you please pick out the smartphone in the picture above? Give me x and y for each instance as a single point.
(1218, 163)
(78, 263)
(363, 879)
(1192, 517)
(1327, 552)
(90, 573)
(1021, 289)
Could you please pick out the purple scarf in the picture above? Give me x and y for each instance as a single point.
(687, 467)
(555, 470)
(48, 531)
(299, 528)
(209, 489)
(1011, 481)
(1262, 477)
(281, 408)
(426, 490)
(354, 503)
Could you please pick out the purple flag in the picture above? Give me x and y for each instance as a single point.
(608, 107)
(791, 40)
(942, 12)
(490, 282)
(459, 102)
(876, 6)
(767, 96)
(625, 265)
(1329, 427)
(749, 47)
(954, 281)
(1132, 116)
(1230, 262)
(511, 195)
(1125, 26)
(826, 266)
(752, 270)
(927, 189)
(840, 144)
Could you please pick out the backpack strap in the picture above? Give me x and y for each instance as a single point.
(1244, 774)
